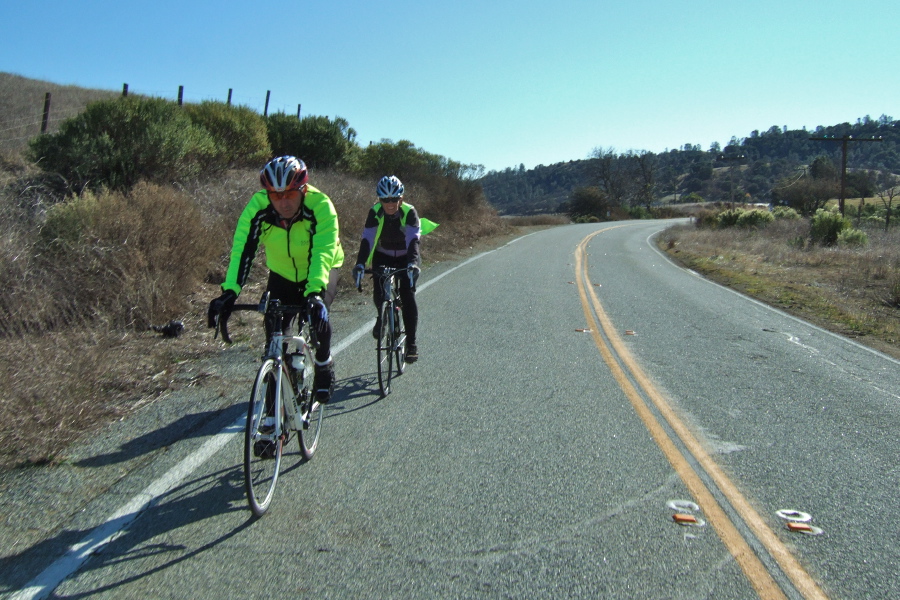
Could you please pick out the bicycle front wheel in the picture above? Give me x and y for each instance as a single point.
(262, 448)
(399, 341)
(310, 410)
(385, 349)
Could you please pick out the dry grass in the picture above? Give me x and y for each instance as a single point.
(854, 292)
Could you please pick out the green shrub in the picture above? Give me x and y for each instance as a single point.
(874, 221)
(240, 133)
(639, 212)
(853, 238)
(729, 218)
(116, 143)
(706, 219)
(67, 222)
(318, 141)
(785, 212)
(756, 218)
(826, 225)
(692, 198)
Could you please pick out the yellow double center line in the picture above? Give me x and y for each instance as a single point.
(618, 359)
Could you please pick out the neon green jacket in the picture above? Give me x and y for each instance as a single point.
(305, 249)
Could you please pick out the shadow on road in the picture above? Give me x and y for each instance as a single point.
(197, 500)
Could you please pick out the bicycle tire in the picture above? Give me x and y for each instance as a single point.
(385, 350)
(400, 343)
(262, 450)
(308, 434)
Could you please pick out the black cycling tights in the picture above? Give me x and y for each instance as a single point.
(289, 292)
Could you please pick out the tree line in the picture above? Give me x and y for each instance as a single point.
(777, 166)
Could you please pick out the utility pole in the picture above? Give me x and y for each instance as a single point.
(732, 158)
(844, 140)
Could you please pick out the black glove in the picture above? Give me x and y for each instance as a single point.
(318, 312)
(358, 272)
(220, 306)
(413, 274)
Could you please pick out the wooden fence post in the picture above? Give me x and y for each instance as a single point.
(266, 109)
(46, 120)
(124, 90)
(298, 112)
(180, 95)
(229, 96)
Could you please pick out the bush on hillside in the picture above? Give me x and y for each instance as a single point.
(754, 219)
(691, 198)
(588, 202)
(116, 143)
(240, 134)
(785, 212)
(853, 238)
(318, 141)
(132, 257)
(706, 219)
(729, 218)
(826, 226)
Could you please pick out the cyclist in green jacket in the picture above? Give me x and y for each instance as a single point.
(391, 238)
(298, 226)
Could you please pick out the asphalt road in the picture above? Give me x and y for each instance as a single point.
(575, 391)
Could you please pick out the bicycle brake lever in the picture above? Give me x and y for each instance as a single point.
(222, 325)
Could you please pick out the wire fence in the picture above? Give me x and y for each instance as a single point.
(27, 114)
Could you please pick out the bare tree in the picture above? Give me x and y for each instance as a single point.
(806, 195)
(611, 173)
(888, 191)
(645, 167)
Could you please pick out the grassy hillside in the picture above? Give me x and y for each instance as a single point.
(22, 107)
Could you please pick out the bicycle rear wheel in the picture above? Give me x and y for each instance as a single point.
(310, 410)
(385, 349)
(262, 449)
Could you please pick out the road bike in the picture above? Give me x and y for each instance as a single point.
(283, 400)
(391, 344)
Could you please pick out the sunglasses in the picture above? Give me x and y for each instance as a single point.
(390, 200)
(285, 195)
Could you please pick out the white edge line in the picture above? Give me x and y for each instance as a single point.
(49, 579)
(42, 585)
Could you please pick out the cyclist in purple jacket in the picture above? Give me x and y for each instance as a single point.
(391, 239)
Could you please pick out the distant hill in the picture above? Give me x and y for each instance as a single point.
(752, 167)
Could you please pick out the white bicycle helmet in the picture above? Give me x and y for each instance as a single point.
(284, 173)
(389, 187)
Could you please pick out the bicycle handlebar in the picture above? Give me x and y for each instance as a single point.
(383, 271)
(266, 307)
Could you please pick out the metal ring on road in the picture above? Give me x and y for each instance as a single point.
(794, 515)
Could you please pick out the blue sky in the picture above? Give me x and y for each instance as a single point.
(491, 82)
